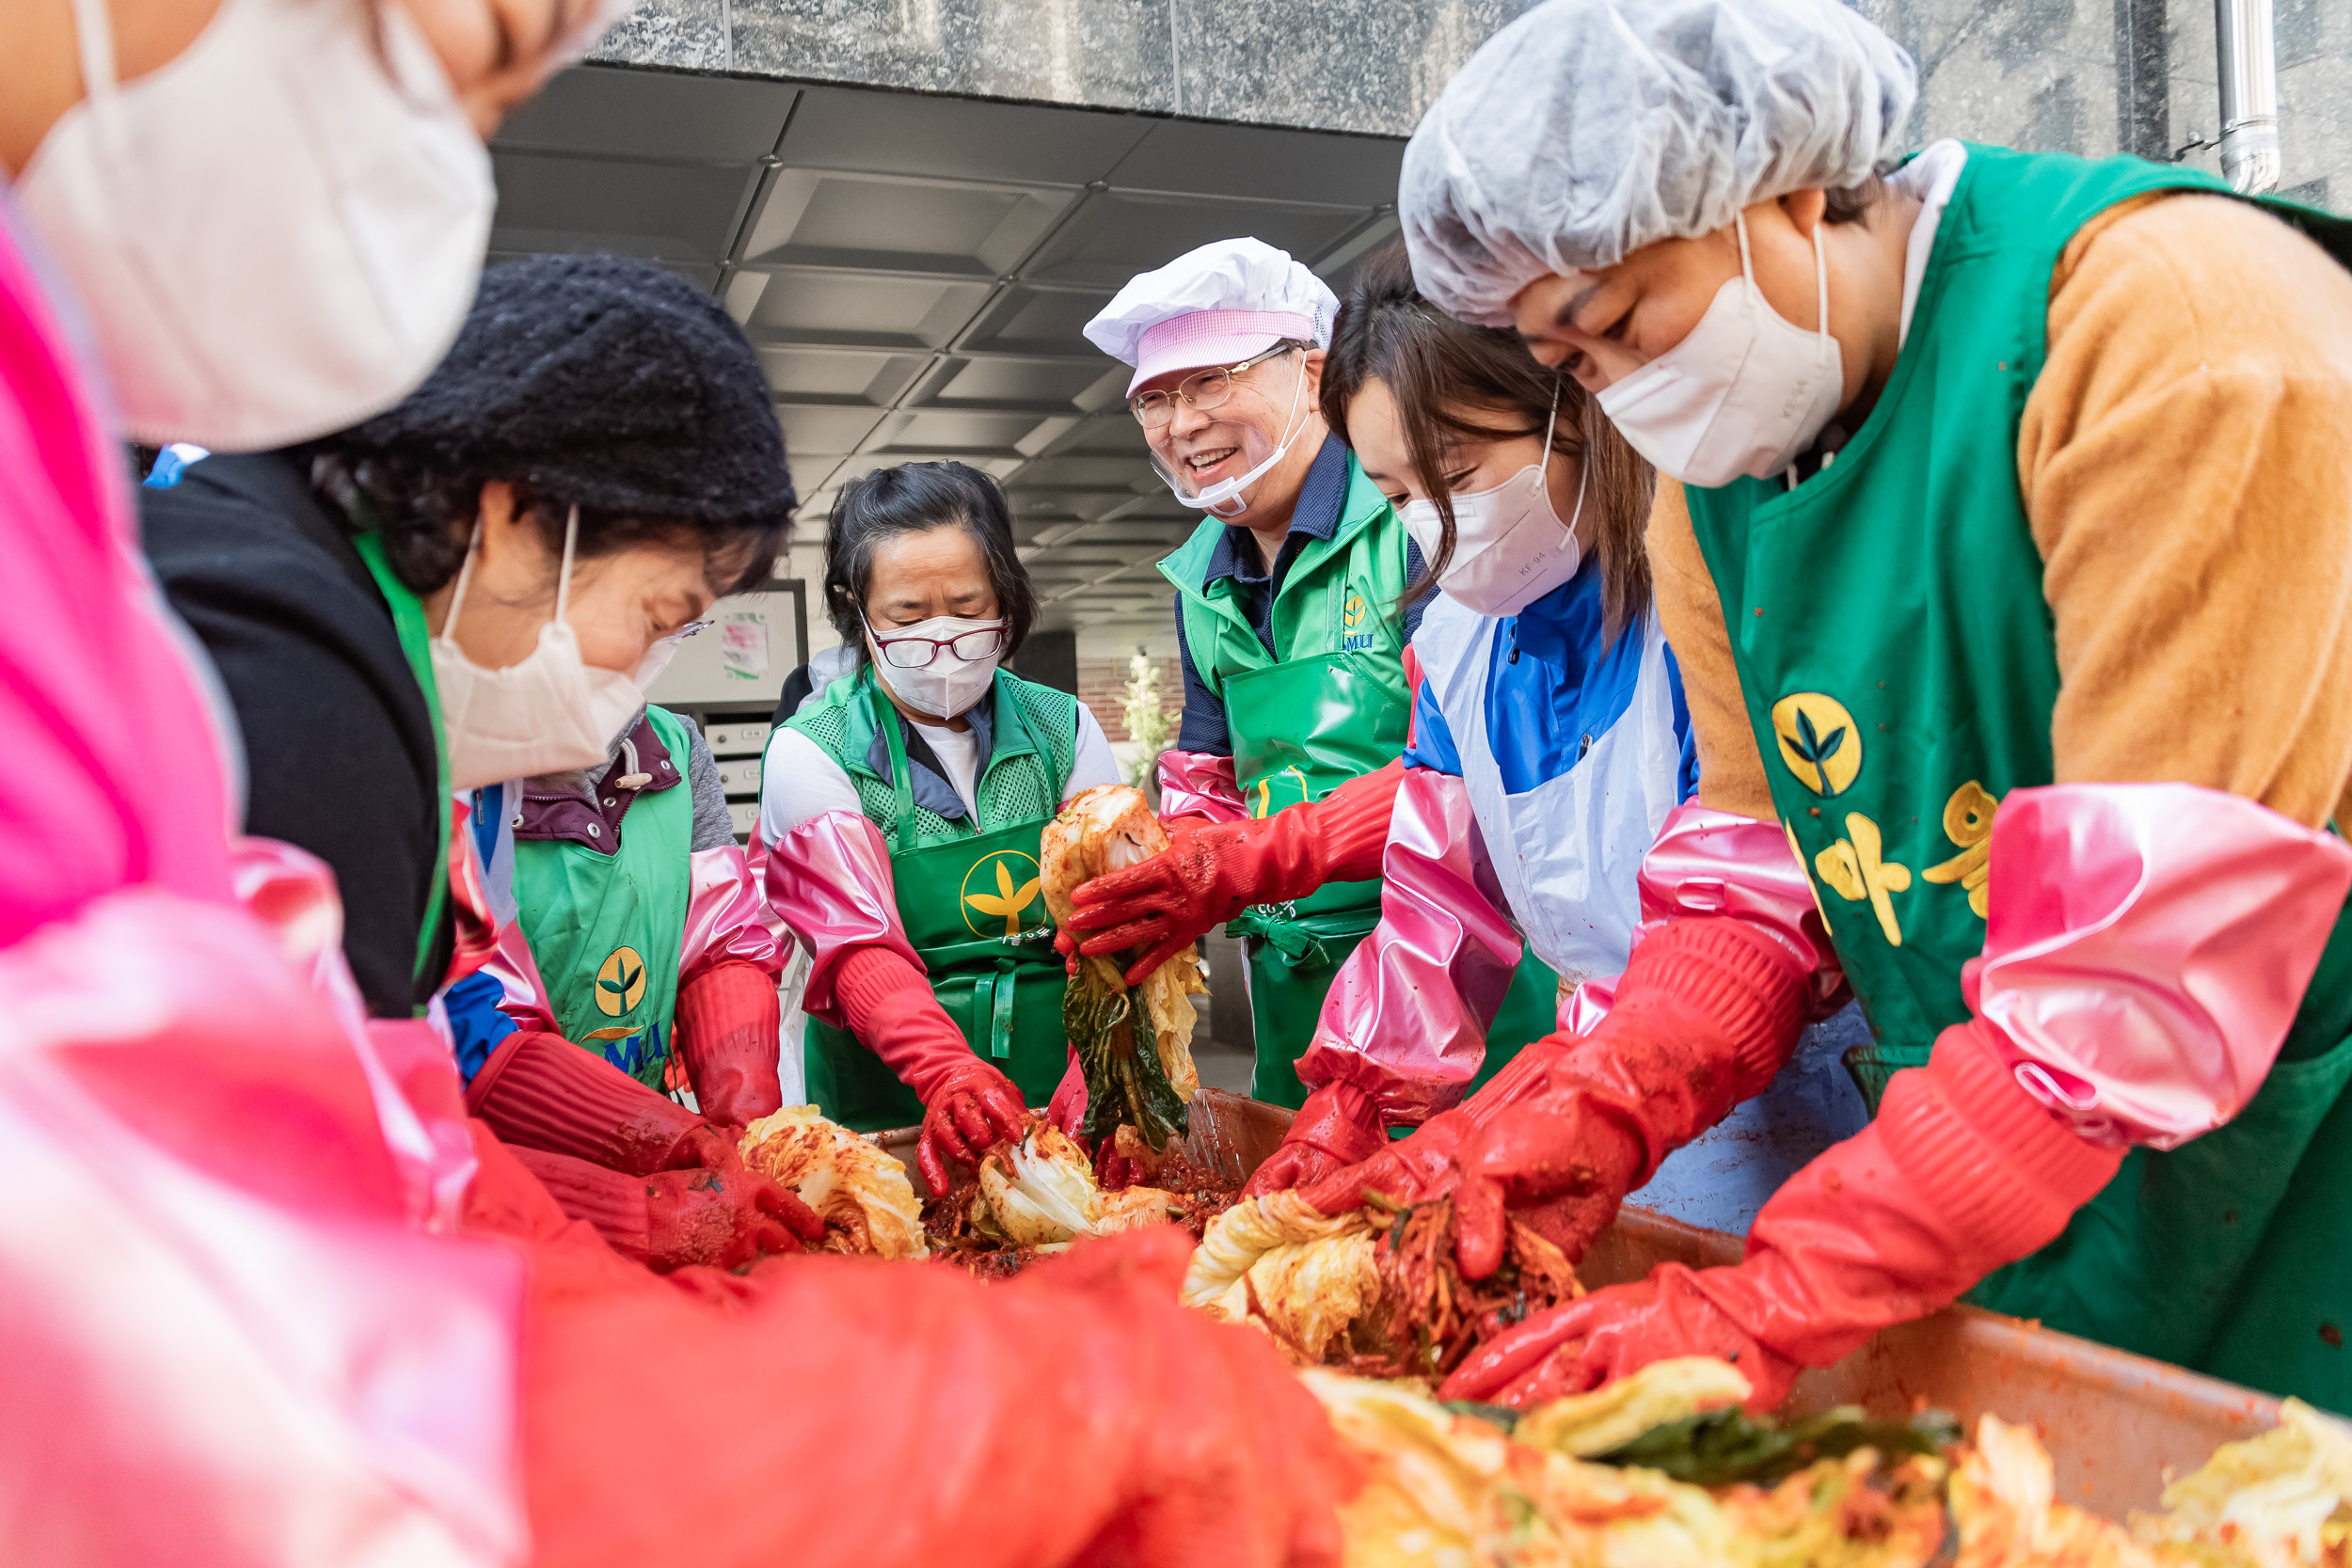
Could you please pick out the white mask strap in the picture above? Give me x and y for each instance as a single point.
(1543, 464)
(1821, 284)
(1739, 225)
(564, 584)
(94, 33)
(465, 574)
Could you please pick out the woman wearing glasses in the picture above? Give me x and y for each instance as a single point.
(900, 817)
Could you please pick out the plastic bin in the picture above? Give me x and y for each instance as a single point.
(2118, 1425)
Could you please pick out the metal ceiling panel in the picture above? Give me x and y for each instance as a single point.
(852, 310)
(812, 217)
(957, 138)
(850, 375)
(651, 114)
(1043, 385)
(1031, 321)
(1117, 234)
(1261, 161)
(916, 274)
(957, 430)
(562, 201)
(838, 431)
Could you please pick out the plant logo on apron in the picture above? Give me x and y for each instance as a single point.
(1000, 898)
(620, 986)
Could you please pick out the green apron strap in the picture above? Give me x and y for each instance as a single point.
(416, 644)
(1000, 1011)
(886, 719)
(1286, 937)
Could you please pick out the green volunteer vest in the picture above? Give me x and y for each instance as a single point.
(967, 892)
(1329, 706)
(606, 930)
(416, 646)
(1896, 656)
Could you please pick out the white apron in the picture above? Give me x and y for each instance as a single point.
(1564, 852)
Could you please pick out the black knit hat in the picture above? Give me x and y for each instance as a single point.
(603, 382)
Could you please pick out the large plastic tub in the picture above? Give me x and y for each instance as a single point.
(2118, 1424)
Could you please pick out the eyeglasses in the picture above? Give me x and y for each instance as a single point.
(1202, 389)
(915, 653)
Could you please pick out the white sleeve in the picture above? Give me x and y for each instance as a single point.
(1093, 763)
(798, 783)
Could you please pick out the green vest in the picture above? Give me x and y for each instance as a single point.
(967, 892)
(1329, 705)
(607, 930)
(1896, 656)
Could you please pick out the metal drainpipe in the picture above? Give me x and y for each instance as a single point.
(2246, 41)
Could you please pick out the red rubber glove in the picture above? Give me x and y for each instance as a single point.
(968, 1106)
(1962, 1172)
(541, 1091)
(1210, 874)
(1067, 1110)
(722, 1217)
(728, 1019)
(1339, 1126)
(1093, 1422)
(1707, 1012)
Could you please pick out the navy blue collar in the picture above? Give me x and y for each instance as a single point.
(927, 776)
(1322, 499)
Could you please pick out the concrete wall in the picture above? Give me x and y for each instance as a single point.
(2089, 76)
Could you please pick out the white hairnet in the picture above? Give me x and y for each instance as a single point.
(1588, 129)
(1245, 275)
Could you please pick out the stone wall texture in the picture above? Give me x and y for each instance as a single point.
(2091, 77)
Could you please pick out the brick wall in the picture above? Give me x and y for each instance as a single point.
(1103, 686)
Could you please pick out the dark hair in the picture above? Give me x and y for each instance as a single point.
(1852, 204)
(916, 497)
(426, 512)
(1445, 376)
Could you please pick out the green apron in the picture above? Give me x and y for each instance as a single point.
(1329, 706)
(1896, 656)
(415, 646)
(606, 930)
(973, 910)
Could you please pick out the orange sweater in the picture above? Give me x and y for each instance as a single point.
(2186, 460)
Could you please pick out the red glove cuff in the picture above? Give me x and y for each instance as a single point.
(612, 1203)
(1734, 982)
(2008, 1171)
(727, 1021)
(1349, 829)
(1342, 1121)
(889, 1007)
(541, 1091)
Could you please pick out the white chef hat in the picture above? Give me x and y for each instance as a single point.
(1588, 129)
(1219, 305)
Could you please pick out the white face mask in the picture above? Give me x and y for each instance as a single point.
(947, 685)
(1224, 498)
(1743, 394)
(277, 236)
(1510, 548)
(549, 714)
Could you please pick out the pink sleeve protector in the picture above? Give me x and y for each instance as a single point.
(829, 883)
(725, 917)
(1193, 783)
(2146, 948)
(228, 1339)
(523, 994)
(1406, 1019)
(1714, 863)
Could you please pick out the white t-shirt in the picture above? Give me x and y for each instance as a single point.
(798, 783)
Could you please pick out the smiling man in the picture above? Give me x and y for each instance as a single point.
(2010, 574)
(1288, 620)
